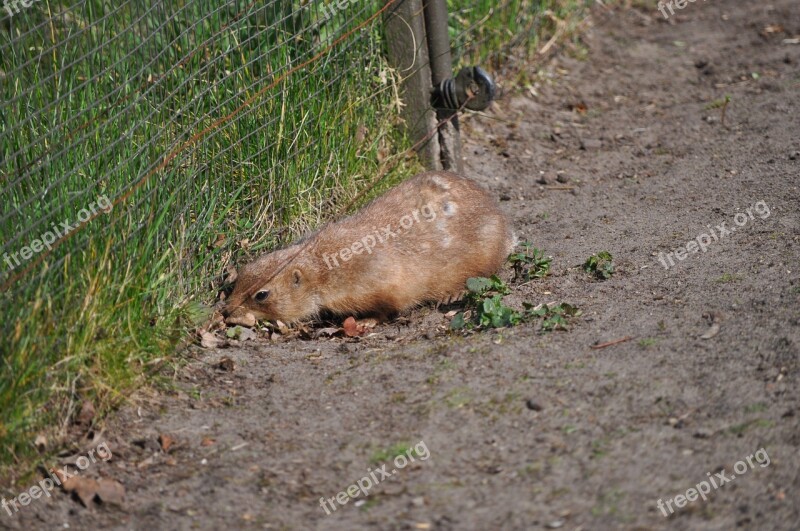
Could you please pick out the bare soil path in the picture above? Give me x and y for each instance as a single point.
(623, 151)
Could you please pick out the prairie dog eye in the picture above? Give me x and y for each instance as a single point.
(261, 296)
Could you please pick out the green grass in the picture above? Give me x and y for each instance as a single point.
(493, 34)
(387, 454)
(86, 321)
(138, 120)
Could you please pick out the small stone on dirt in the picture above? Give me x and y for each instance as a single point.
(590, 143)
(702, 434)
(535, 406)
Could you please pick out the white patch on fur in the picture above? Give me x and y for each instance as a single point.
(441, 182)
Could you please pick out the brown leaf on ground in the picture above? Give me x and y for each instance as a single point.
(207, 441)
(166, 442)
(248, 320)
(353, 328)
(209, 340)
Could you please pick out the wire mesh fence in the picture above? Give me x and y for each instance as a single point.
(147, 144)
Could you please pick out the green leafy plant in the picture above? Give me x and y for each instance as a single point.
(553, 317)
(485, 308)
(529, 263)
(601, 265)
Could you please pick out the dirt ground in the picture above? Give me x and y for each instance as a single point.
(623, 151)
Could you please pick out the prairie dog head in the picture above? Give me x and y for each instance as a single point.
(276, 286)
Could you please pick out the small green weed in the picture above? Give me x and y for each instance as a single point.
(387, 454)
(529, 263)
(718, 104)
(648, 342)
(600, 264)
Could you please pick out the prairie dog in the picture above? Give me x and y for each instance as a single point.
(417, 243)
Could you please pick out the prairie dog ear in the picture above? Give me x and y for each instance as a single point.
(297, 276)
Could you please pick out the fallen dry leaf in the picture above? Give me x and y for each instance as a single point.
(248, 320)
(209, 340)
(166, 442)
(328, 331)
(207, 441)
(351, 328)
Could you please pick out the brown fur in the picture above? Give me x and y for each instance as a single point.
(458, 232)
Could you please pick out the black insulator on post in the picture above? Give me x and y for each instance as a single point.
(472, 86)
